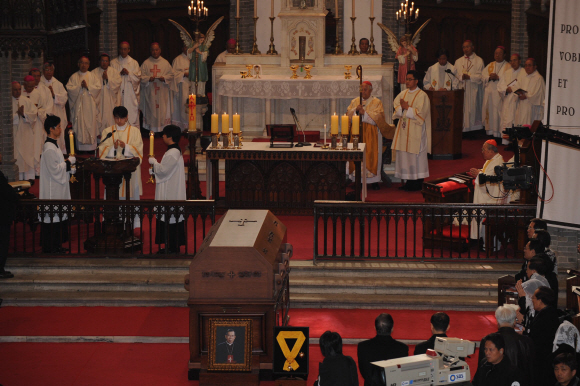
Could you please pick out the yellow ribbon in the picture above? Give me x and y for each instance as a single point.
(290, 355)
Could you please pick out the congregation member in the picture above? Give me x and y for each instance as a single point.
(84, 89)
(535, 248)
(412, 139)
(157, 82)
(363, 46)
(107, 101)
(506, 87)
(517, 347)
(496, 369)
(230, 49)
(531, 98)
(379, 348)
(170, 185)
(545, 239)
(24, 117)
(536, 272)
(373, 128)
(437, 78)
(37, 98)
(536, 224)
(130, 88)
(336, 368)
(490, 193)
(55, 173)
(180, 67)
(470, 67)
(491, 76)
(125, 142)
(439, 328)
(542, 331)
(566, 341)
(59, 98)
(407, 55)
(8, 201)
(565, 366)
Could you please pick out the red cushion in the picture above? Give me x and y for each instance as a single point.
(449, 186)
(456, 232)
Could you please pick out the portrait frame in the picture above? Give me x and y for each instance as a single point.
(218, 328)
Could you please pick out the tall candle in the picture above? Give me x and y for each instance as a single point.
(324, 134)
(236, 123)
(238, 8)
(335, 8)
(71, 137)
(355, 124)
(344, 124)
(192, 112)
(255, 8)
(372, 8)
(151, 141)
(225, 123)
(214, 123)
(334, 124)
(272, 8)
(352, 8)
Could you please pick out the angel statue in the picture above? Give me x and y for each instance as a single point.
(405, 49)
(197, 51)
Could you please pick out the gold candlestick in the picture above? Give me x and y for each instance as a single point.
(151, 179)
(308, 68)
(372, 50)
(337, 49)
(238, 49)
(353, 50)
(272, 50)
(255, 50)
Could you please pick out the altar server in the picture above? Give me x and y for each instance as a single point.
(506, 87)
(170, 185)
(531, 99)
(437, 78)
(470, 67)
(107, 101)
(180, 66)
(129, 91)
(157, 81)
(84, 89)
(412, 139)
(24, 116)
(59, 98)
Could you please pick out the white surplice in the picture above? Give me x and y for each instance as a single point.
(437, 78)
(83, 108)
(170, 179)
(58, 106)
(510, 100)
(472, 66)
(54, 178)
(23, 129)
(108, 99)
(37, 98)
(491, 99)
(531, 108)
(156, 102)
(180, 116)
(130, 89)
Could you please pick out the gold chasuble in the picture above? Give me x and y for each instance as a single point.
(409, 131)
(368, 134)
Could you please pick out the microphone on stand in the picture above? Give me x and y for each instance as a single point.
(299, 144)
(103, 140)
(448, 71)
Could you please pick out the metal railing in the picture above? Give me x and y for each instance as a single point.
(410, 231)
(98, 228)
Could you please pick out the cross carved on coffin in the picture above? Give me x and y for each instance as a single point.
(242, 221)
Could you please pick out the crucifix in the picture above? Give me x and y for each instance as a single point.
(242, 221)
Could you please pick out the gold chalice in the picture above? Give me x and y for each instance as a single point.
(347, 72)
(308, 68)
(249, 73)
(294, 68)
(243, 74)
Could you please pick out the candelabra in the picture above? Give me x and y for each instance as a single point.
(407, 16)
(353, 50)
(337, 49)
(255, 50)
(355, 142)
(238, 49)
(197, 14)
(272, 50)
(372, 50)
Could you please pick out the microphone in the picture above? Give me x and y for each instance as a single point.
(103, 140)
(448, 71)
(299, 144)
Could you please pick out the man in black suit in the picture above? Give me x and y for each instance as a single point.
(379, 348)
(439, 327)
(229, 351)
(8, 200)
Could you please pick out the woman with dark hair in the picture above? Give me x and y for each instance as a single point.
(437, 78)
(496, 369)
(336, 369)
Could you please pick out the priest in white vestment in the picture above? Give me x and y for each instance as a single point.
(185, 87)
(55, 173)
(531, 102)
(506, 87)
(372, 129)
(170, 185)
(492, 75)
(412, 140)
(107, 101)
(59, 99)
(130, 89)
(157, 82)
(24, 116)
(84, 89)
(470, 67)
(437, 78)
(38, 99)
(45, 107)
(490, 193)
(230, 49)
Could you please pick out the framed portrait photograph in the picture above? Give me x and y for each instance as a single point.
(230, 344)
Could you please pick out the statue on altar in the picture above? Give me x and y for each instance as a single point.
(197, 51)
(405, 49)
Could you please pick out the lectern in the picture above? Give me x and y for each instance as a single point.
(240, 273)
(115, 236)
(446, 123)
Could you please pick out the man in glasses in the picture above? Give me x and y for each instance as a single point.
(412, 140)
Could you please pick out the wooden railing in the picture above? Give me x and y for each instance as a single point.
(405, 231)
(86, 219)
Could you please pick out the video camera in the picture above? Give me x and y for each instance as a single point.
(512, 177)
(442, 366)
